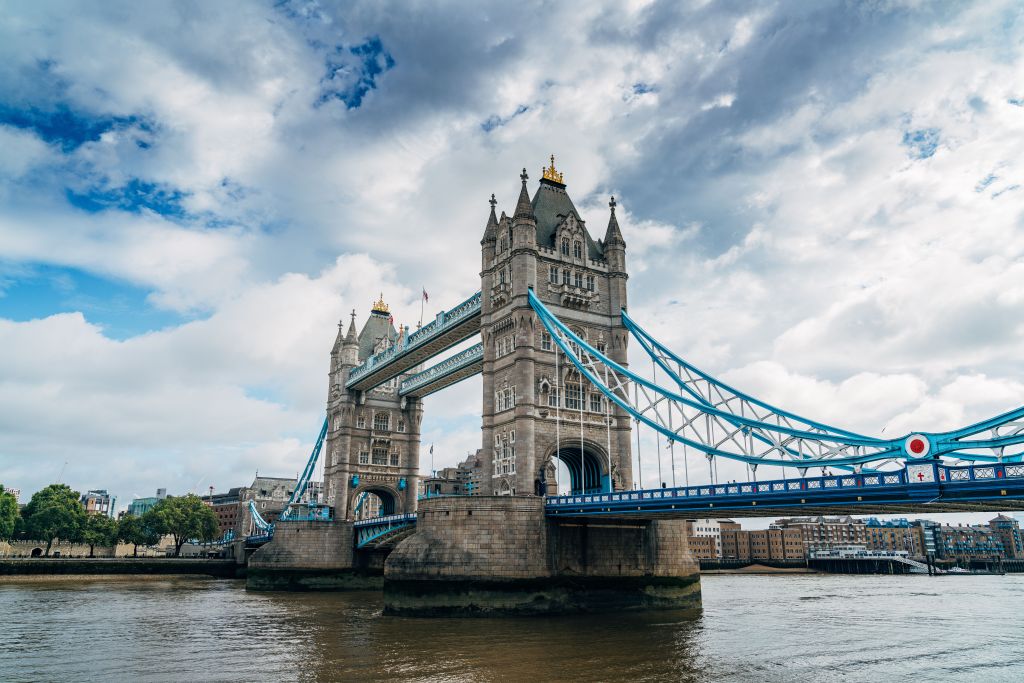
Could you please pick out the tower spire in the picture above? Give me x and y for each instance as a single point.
(613, 236)
(491, 229)
(524, 209)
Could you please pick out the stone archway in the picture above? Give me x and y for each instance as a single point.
(374, 501)
(587, 464)
(37, 552)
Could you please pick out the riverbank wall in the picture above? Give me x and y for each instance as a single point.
(222, 569)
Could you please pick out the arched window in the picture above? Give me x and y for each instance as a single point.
(577, 250)
(565, 246)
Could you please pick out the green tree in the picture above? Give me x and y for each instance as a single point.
(137, 531)
(8, 514)
(99, 530)
(54, 512)
(185, 518)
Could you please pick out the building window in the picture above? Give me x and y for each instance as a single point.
(553, 274)
(573, 399)
(545, 341)
(590, 283)
(381, 422)
(380, 456)
(401, 425)
(364, 457)
(565, 246)
(361, 422)
(553, 398)
(596, 403)
(504, 244)
(505, 399)
(579, 280)
(501, 276)
(577, 250)
(394, 459)
(566, 277)
(600, 347)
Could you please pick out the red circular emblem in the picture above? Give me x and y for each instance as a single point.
(917, 444)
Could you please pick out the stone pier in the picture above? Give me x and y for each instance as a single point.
(500, 555)
(318, 556)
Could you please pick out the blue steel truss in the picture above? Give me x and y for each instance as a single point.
(716, 420)
(446, 330)
(369, 530)
(310, 511)
(449, 371)
(921, 485)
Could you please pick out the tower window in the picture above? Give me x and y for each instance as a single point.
(381, 422)
(565, 246)
(596, 404)
(553, 398)
(573, 397)
(364, 457)
(577, 250)
(380, 456)
(566, 277)
(590, 282)
(501, 276)
(361, 422)
(545, 341)
(579, 280)
(504, 244)
(401, 425)
(553, 275)
(394, 459)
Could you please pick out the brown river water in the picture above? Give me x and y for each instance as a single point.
(752, 628)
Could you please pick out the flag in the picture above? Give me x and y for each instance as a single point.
(391, 320)
(426, 297)
(431, 449)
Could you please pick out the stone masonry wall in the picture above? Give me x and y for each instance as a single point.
(476, 538)
(620, 548)
(307, 545)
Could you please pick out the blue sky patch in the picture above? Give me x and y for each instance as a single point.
(495, 121)
(63, 126)
(134, 197)
(122, 309)
(350, 82)
(922, 143)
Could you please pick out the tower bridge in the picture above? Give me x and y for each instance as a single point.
(560, 396)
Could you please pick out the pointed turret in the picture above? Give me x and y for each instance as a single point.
(613, 236)
(491, 230)
(350, 345)
(524, 208)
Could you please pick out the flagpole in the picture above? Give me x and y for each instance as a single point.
(422, 299)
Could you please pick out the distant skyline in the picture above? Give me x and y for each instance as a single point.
(822, 202)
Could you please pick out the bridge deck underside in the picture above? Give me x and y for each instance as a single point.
(421, 352)
(445, 381)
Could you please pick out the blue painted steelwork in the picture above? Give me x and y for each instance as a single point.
(310, 511)
(730, 423)
(460, 366)
(369, 530)
(921, 483)
(438, 329)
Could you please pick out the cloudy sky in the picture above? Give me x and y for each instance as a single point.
(822, 202)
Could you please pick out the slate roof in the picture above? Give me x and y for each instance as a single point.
(376, 328)
(551, 204)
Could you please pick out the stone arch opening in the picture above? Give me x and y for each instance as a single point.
(585, 464)
(373, 502)
(37, 552)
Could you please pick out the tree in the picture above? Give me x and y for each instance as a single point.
(99, 530)
(186, 518)
(8, 514)
(54, 512)
(138, 531)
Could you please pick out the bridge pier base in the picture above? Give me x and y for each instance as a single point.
(501, 555)
(313, 556)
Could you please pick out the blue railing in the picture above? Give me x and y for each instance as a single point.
(369, 530)
(463, 359)
(784, 490)
(443, 322)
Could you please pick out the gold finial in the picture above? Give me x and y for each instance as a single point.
(379, 306)
(549, 173)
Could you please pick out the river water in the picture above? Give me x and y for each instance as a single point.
(752, 628)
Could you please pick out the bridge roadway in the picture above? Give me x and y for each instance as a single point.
(920, 488)
(445, 331)
(973, 488)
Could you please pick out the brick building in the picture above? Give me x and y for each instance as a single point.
(762, 544)
(1008, 530)
(821, 533)
(895, 534)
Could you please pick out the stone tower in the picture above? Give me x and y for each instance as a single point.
(535, 408)
(373, 437)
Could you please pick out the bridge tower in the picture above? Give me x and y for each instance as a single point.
(536, 410)
(373, 437)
